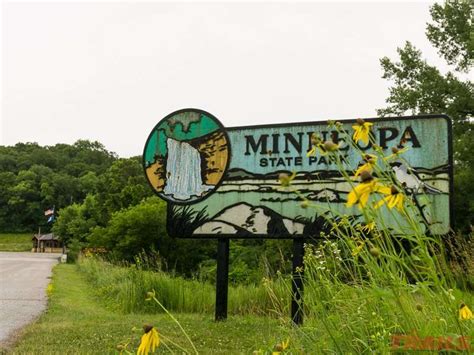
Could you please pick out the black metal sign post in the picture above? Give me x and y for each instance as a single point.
(297, 283)
(222, 278)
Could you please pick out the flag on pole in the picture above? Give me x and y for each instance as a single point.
(50, 214)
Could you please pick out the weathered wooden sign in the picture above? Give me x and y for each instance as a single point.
(224, 182)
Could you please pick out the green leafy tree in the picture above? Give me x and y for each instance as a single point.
(7, 180)
(142, 228)
(75, 222)
(451, 32)
(88, 183)
(23, 204)
(134, 229)
(121, 186)
(420, 88)
(37, 177)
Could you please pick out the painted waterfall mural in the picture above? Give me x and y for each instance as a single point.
(186, 156)
(183, 180)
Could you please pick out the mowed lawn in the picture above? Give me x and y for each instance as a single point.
(77, 322)
(15, 241)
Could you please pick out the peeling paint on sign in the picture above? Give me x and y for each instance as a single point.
(249, 201)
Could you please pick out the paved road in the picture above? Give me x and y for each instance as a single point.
(23, 281)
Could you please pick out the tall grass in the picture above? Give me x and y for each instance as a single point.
(342, 315)
(358, 308)
(125, 289)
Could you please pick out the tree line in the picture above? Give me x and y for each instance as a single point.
(34, 178)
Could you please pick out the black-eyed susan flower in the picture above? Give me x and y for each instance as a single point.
(370, 161)
(393, 198)
(361, 131)
(366, 228)
(285, 179)
(465, 313)
(281, 347)
(324, 148)
(361, 193)
(149, 341)
(396, 152)
(317, 144)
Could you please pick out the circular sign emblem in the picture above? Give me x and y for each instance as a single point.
(186, 156)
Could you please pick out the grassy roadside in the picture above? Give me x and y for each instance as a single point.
(78, 323)
(339, 317)
(15, 241)
(84, 317)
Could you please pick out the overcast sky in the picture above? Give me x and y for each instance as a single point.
(110, 71)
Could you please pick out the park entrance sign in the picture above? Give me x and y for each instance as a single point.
(227, 183)
(224, 183)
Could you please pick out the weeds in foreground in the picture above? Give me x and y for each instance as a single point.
(388, 274)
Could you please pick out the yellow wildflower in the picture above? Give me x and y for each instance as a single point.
(356, 251)
(281, 347)
(361, 131)
(395, 153)
(361, 193)
(49, 289)
(149, 341)
(370, 161)
(285, 180)
(394, 198)
(464, 312)
(317, 144)
(367, 227)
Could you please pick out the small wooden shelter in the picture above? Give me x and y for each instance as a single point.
(46, 243)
